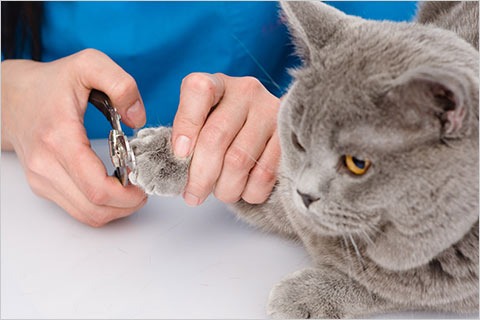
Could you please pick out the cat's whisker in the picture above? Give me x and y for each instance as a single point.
(344, 250)
(347, 247)
(357, 251)
(374, 228)
(367, 237)
(351, 265)
(364, 275)
(372, 233)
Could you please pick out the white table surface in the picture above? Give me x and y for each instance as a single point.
(165, 261)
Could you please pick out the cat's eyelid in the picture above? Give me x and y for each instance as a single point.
(356, 152)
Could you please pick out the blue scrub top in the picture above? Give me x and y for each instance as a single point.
(159, 43)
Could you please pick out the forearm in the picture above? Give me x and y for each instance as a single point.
(6, 145)
(6, 95)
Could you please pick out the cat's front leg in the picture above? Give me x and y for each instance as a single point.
(270, 216)
(322, 293)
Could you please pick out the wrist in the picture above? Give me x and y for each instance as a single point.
(6, 145)
(14, 88)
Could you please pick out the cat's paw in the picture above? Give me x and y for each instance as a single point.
(304, 295)
(158, 170)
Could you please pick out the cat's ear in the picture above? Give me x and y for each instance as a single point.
(312, 24)
(436, 92)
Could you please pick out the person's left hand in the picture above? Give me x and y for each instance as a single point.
(236, 149)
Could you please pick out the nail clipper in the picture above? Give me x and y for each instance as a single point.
(121, 153)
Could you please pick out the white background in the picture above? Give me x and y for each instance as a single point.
(166, 261)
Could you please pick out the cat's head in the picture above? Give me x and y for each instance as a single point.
(380, 129)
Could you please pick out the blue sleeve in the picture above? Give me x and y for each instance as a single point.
(159, 43)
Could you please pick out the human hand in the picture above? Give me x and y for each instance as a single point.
(236, 149)
(42, 120)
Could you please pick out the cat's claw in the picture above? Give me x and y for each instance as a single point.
(158, 170)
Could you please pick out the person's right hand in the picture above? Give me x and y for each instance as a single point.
(42, 120)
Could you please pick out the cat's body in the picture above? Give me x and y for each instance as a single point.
(403, 235)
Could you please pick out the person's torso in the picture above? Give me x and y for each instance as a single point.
(159, 43)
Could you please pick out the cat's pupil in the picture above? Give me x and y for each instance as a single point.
(359, 163)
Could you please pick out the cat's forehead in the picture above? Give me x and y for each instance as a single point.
(383, 138)
(353, 116)
(371, 48)
(335, 99)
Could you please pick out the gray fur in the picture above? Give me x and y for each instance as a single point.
(403, 236)
(158, 170)
(456, 16)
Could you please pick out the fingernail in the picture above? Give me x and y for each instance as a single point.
(135, 114)
(191, 200)
(182, 146)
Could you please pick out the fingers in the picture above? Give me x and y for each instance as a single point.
(233, 137)
(49, 180)
(90, 176)
(199, 93)
(241, 157)
(217, 134)
(74, 201)
(69, 144)
(96, 70)
(263, 176)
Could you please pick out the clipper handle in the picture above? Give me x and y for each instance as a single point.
(102, 102)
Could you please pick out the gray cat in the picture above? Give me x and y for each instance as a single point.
(379, 169)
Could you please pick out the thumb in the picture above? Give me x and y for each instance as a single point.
(97, 71)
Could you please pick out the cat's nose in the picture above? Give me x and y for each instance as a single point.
(306, 198)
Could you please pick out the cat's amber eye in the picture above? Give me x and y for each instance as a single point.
(355, 165)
